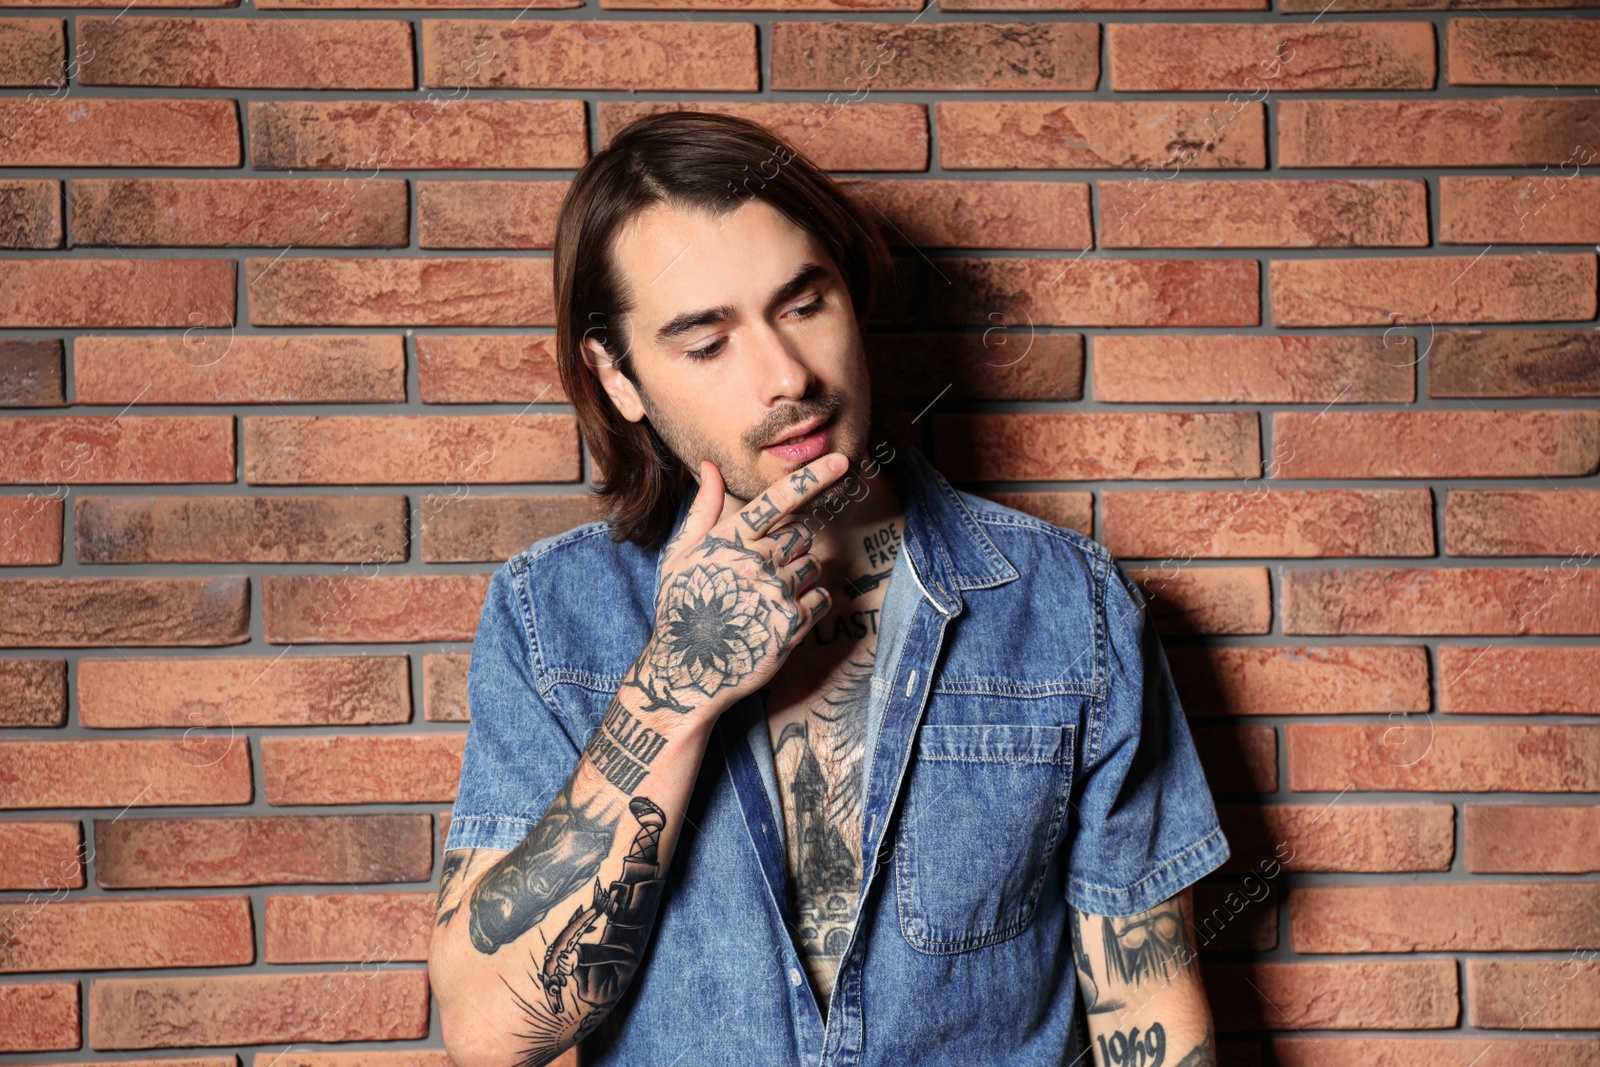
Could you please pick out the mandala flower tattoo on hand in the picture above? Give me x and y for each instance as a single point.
(711, 635)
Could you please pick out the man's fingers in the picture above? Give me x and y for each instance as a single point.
(707, 506)
(793, 489)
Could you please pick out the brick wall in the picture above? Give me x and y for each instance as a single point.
(1293, 308)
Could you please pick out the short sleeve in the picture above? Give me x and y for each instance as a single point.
(519, 752)
(1142, 825)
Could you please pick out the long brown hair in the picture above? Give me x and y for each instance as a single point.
(699, 161)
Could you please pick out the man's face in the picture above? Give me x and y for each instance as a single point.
(736, 344)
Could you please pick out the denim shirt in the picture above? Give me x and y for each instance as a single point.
(1025, 751)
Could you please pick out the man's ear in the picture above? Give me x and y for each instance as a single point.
(613, 381)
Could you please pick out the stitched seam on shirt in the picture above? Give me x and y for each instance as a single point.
(1124, 891)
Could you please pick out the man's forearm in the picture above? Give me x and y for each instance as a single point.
(530, 952)
(1139, 977)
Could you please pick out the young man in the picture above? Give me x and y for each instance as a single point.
(819, 760)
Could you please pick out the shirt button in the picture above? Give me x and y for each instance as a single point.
(794, 975)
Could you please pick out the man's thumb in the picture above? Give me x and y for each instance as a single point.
(706, 510)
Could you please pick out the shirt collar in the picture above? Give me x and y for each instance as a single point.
(948, 549)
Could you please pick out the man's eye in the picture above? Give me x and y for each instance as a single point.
(810, 309)
(695, 355)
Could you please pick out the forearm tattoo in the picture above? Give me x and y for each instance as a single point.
(455, 861)
(582, 980)
(561, 853)
(623, 748)
(1152, 945)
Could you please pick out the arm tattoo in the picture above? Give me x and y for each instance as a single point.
(1205, 1053)
(1146, 945)
(582, 980)
(456, 861)
(1134, 1048)
(623, 748)
(561, 853)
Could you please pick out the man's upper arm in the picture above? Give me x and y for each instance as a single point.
(1142, 825)
(519, 752)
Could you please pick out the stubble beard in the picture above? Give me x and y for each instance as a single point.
(744, 486)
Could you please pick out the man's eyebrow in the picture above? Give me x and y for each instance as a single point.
(679, 325)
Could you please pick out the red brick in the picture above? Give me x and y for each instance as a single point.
(1400, 995)
(616, 54)
(1504, 680)
(1436, 289)
(1454, 600)
(1557, 994)
(215, 693)
(1463, 1051)
(258, 1009)
(1514, 363)
(1207, 600)
(39, 1016)
(225, 529)
(492, 529)
(240, 370)
(1254, 369)
(1523, 522)
(487, 213)
(458, 291)
(1339, 836)
(437, 133)
(1092, 446)
(900, 57)
(1262, 57)
(1072, 511)
(834, 135)
(444, 686)
(410, 449)
(30, 217)
(1234, 917)
(1507, 132)
(1238, 759)
(1437, 444)
(933, 213)
(1177, 526)
(1523, 51)
(148, 772)
(182, 212)
(1262, 680)
(1444, 758)
(262, 850)
(30, 371)
(1480, 917)
(912, 370)
(274, 53)
(348, 927)
(96, 612)
(41, 855)
(494, 369)
(407, 1057)
(1095, 292)
(1161, 213)
(122, 934)
(1314, 6)
(33, 692)
(350, 608)
(1548, 208)
(30, 530)
(1532, 838)
(32, 52)
(1101, 135)
(116, 292)
(142, 449)
(78, 131)
(1101, 5)
(356, 769)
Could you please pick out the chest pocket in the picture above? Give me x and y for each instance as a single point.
(981, 820)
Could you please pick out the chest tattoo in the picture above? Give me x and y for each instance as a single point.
(819, 761)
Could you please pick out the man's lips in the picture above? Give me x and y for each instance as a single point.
(795, 435)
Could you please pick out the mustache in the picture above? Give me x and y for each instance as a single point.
(793, 415)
